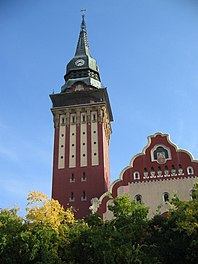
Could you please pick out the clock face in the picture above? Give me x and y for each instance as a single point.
(79, 62)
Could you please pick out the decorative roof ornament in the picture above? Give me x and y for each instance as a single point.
(83, 25)
(83, 44)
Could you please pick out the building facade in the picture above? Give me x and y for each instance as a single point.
(161, 171)
(82, 129)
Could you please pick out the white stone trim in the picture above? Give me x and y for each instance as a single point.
(136, 175)
(163, 146)
(190, 170)
(94, 141)
(61, 144)
(72, 142)
(83, 140)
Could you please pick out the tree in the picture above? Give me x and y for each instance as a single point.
(120, 240)
(11, 226)
(175, 238)
(41, 210)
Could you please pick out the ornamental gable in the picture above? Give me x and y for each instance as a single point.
(160, 161)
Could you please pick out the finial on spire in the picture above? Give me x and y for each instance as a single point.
(83, 26)
(83, 12)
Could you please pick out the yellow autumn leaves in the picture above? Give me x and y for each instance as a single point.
(40, 209)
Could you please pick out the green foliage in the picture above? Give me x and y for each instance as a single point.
(176, 237)
(48, 234)
(11, 226)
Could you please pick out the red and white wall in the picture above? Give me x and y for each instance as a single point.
(154, 176)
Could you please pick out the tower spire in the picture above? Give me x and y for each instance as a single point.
(83, 25)
(82, 67)
(83, 45)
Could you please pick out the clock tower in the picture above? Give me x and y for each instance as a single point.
(82, 129)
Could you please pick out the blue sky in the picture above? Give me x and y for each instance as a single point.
(147, 52)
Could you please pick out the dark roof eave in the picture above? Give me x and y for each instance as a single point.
(68, 99)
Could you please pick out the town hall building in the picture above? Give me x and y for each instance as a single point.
(82, 128)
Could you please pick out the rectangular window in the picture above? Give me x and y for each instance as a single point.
(83, 118)
(73, 118)
(83, 178)
(72, 179)
(83, 197)
(72, 199)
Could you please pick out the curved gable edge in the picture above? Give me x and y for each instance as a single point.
(119, 182)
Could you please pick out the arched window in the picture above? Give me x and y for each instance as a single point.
(145, 173)
(166, 197)
(159, 172)
(152, 173)
(190, 170)
(138, 198)
(166, 171)
(173, 171)
(180, 170)
(136, 175)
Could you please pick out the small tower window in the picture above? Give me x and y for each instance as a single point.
(138, 198)
(83, 197)
(73, 119)
(83, 178)
(62, 121)
(72, 179)
(72, 199)
(166, 197)
(83, 118)
(190, 171)
(136, 175)
(94, 117)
